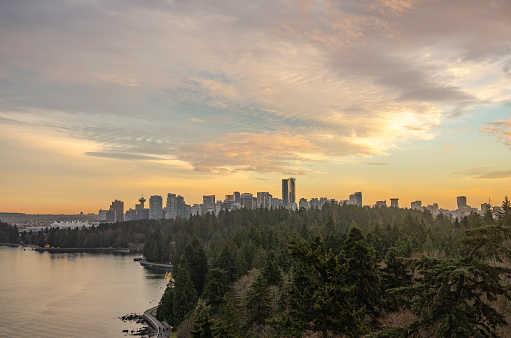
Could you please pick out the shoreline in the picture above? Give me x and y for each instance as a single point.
(88, 250)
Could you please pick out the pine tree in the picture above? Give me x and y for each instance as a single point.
(271, 271)
(456, 297)
(258, 302)
(165, 306)
(203, 326)
(362, 274)
(185, 296)
(196, 263)
(318, 298)
(229, 324)
(216, 288)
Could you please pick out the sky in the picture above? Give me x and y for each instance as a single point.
(104, 100)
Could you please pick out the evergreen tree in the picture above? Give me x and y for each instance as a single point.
(203, 326)
(362, 274)
(196, 263)
(456, 297)
(216, 288)
(165, 306)
(318, 298)
(229, 325)
(271, 271)
(227, 263)
(185, 296)
(258, 302)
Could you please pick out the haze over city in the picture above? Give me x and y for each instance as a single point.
(394, 98)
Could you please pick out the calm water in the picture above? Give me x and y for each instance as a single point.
(72, 295)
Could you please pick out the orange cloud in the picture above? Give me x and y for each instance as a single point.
(502, 129)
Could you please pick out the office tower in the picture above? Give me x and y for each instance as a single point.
(155, 207)
(380, 204)
(462, 202)
(303, 203)
(237, 197)
(171, 212)
(130, 215)
(288, 192)
(358, 196)
(101, 215)
(209, 203)
(118, 208)
(416, 205)
(264, 200)
(110, 215)
(276, 203)
(181, 207)
(394, 202)
(229, 198)
(247, 200)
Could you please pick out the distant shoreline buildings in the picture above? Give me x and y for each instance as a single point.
(175, 206)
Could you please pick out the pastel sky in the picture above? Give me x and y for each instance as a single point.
(104, 100)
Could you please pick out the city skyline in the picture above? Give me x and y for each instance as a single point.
(393, 98)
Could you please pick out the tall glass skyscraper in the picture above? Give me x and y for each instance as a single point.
(288, 192)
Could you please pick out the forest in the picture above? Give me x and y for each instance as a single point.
(339, 271)
(342, 271)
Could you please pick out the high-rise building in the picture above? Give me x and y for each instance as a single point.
(209, 203)
(247, 200)
(155, 207)
(237, 197)
(462, 202)
(394, 202)
(181, 207)
(131, 215)
(416, 205)
(303, 203)
(288, 191)
(171, 212)
(118, 208)
(264, 200)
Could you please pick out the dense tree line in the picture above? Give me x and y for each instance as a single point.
(340, 271)
(8, 233)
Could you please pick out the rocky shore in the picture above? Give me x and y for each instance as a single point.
(145, 330)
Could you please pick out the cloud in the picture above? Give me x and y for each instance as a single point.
(120, 155)
(501, 129)
(281, 85)
(485, 173)
(449, 148)
(376, 163)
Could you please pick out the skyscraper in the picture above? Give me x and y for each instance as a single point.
(394, 202)
(155, 207)
(264, 200)
(118, 208)
(462, 202)
(288, 192)
(247, 200)
(171, 206)
(209, 203)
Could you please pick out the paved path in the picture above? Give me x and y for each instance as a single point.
(162, 329)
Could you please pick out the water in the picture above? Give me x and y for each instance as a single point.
(72, 295)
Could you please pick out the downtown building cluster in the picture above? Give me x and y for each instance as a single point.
(176, 207)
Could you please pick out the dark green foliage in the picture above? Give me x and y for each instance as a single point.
(185, 296)
(216, 287)
(227, 263)
(455, 297)
(258, 302)
(271, 271)
(505, 213)
(229, 325)
(203, 326)
(319, 300)
(155, 248)
(8, 233)
(362, 274)
(395, 274)
(165, 307)
(195, 261)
